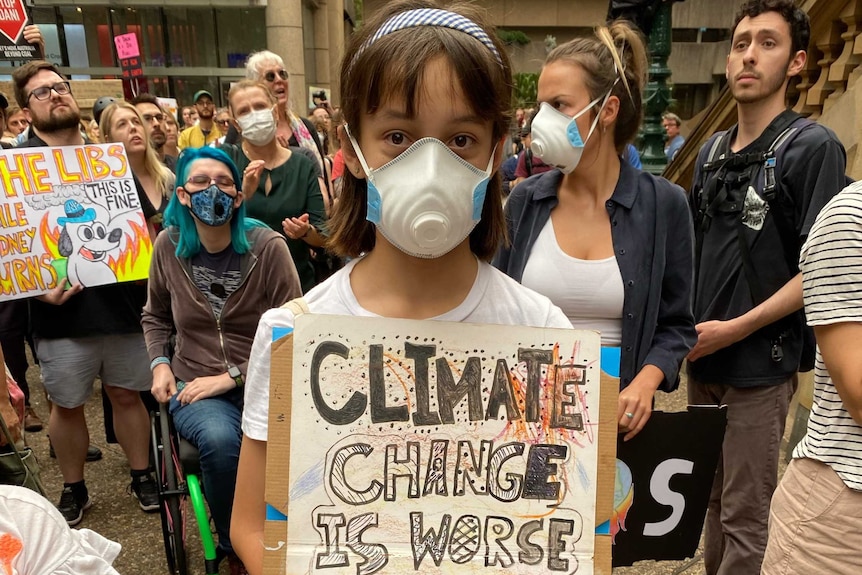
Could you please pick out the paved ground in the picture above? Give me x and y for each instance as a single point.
(116, 515)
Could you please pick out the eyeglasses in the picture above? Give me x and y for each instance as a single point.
(222, 122)
(270, 76)
(224, 183)
(157, 117)
(203, 102)
(44, 92)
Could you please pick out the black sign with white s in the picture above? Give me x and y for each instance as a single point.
(664, 476)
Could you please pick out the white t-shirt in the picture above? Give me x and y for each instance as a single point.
(45, 542)
(831, 264)
(495, 298)
(590, 292)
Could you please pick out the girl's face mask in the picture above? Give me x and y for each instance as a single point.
(427, 200)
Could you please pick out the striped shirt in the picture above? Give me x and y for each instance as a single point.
(831, 264)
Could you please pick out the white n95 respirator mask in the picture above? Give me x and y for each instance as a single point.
(556, 138)
(427, 200)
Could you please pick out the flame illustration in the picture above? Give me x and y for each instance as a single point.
(10, 547)
(133, 261)
(50, 236)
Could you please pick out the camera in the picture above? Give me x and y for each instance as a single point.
(319, 95)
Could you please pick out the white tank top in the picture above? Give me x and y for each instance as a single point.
(590, 292)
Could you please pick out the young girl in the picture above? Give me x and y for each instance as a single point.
(609, 244)
(426, 110)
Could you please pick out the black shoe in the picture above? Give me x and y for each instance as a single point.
(93, 452)
(71, 508)
(147, 492)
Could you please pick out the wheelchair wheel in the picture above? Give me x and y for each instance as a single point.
(173, 494)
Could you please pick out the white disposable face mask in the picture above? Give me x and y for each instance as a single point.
(258, 127)
(556, 138)
(427, 200)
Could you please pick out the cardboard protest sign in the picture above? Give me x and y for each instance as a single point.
(71, 212)
(13, 20)
(398, 446)
(664, 476)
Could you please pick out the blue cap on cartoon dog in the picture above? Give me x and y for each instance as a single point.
(76, 214)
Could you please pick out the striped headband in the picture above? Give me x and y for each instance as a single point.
(432, 17)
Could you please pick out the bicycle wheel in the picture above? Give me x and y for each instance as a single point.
(173, 494)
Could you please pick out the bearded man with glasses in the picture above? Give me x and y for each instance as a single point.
(81, 333)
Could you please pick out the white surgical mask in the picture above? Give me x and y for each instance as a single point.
(556, 138)
(258, 127)
(427, 200)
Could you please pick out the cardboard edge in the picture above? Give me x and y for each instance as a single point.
(607, 436)
(278, 457)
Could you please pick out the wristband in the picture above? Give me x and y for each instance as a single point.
(158, 361)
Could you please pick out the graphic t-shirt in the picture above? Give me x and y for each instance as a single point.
(810, 173)
(217, 275)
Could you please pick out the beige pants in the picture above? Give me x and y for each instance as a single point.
(815, 524)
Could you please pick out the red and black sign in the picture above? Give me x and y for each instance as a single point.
(13, 19)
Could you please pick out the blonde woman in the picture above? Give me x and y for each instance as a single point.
(121, 122)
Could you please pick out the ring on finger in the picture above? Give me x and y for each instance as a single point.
(630, 415)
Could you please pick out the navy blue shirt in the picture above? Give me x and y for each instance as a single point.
(653, 244)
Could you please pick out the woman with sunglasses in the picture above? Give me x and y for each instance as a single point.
(268, 67)
(222, 122)
(213, 274)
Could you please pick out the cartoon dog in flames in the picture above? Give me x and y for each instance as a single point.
(85, 242)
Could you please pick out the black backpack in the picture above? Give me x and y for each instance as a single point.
(757, 169)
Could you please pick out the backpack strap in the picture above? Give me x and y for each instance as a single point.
(298, 306)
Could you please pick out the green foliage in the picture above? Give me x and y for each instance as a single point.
(360, 16)
(510, 37)
(526, 89)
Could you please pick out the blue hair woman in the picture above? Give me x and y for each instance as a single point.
(213, 274)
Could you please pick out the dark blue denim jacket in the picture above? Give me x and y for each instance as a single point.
(653, 243)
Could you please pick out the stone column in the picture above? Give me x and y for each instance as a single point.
(336, 23)
(322, 48)
(284, 37)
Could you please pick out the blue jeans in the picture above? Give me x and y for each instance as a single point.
(213, 426)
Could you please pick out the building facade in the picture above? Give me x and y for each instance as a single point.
(701, 32)
(190, 45)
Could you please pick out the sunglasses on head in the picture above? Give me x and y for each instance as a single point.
(270, 76)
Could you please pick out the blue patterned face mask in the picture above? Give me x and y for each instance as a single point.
(212, 206)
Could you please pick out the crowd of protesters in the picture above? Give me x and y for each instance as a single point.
(252, 205)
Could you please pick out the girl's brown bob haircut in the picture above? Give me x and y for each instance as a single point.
(392, 68)
(613, 51)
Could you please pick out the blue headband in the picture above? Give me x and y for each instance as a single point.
(432, 17)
